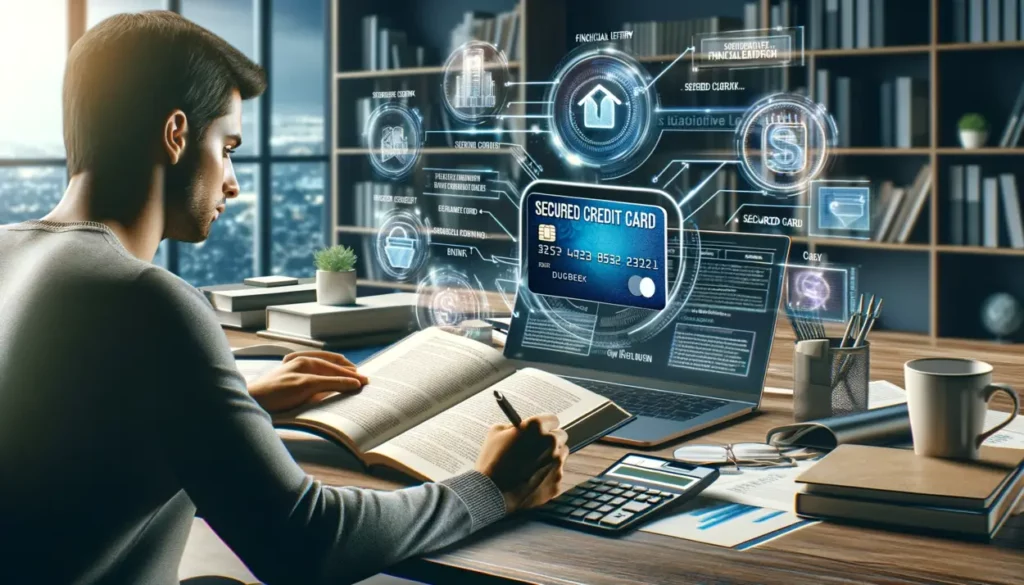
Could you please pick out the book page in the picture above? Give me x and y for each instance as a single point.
(421, 376)
(449, 443)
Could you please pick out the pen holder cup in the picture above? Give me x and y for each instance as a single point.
(829, 380)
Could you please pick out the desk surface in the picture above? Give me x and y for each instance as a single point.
(523, 551)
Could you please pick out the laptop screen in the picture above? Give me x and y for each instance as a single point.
(720, 339)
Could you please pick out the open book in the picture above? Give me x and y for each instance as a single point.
(429, 405)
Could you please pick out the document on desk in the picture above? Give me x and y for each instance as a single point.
(712, 521)
(883, 393)
(773, 488)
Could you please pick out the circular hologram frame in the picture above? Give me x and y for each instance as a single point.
(475, 83)
(448, 297)
(601, 110)
(402, 244)
(811, 291)
(783, 143)
(394, 138)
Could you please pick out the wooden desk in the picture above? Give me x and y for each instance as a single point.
(522, 551)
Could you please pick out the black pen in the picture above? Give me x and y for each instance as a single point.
(506, 407)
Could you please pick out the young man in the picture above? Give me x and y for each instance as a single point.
(121, 411)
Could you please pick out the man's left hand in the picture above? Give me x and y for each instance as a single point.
(304, 377)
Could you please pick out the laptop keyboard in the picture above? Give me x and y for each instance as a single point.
(638, 401)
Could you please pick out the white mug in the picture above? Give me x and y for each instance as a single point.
(948, 399)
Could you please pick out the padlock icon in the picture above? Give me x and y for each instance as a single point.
(399, 250)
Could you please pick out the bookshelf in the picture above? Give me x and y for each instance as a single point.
(931, 287)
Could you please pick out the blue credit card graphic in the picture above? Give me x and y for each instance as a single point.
(596, 250)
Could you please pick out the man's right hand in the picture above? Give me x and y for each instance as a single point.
(525, 463)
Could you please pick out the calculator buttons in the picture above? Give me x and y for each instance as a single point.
(602, 489)
(617, 517)
(576, 491)
(639, 488)
(578, 513)
(618, 501)
(605, 498)
(636, 507)
(591, 505)
(577, 502)
(653, 500)
(629, 494)
(642, 498)
(591, 495)
(611, 482)
(594, 516)
(605, 509)
(617, 492)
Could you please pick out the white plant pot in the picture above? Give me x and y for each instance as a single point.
(335, 288)
(973, 138)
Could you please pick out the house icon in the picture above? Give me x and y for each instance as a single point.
(599, 115)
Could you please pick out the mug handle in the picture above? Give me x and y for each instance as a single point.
(989, 392)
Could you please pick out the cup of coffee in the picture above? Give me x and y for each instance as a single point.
(948, 399)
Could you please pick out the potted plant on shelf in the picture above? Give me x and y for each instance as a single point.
(973, 131)
(335, 275)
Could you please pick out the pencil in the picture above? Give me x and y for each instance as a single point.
(506, 407)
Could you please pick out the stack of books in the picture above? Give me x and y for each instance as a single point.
(897, 209)
(988, 21)
(974, 208)
(242, 306)
(1015, 123)
(898, 489)
(371, 320)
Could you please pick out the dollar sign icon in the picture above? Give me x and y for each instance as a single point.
(784, 147)
(446, 308)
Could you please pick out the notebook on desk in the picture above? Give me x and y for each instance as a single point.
(897, 488)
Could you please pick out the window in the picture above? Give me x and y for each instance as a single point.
(98, 10)
(297, 76)
(297, 206)
(278, 219)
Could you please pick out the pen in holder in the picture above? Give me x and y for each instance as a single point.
(829, 380)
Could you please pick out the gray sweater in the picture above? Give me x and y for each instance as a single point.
(121, 413)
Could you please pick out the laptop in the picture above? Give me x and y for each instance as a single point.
(704, 367)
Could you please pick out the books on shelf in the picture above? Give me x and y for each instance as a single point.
(912, 105)
(429, 406)
(974, 208)
(956, 205)
(1011, 210)
(896, 488)
(1015, 122)
(845, 24)
(500, 30)
(387, 48)
(990, 212)
(972, 200)
(899, 209)
(987, 21)
(673, 37)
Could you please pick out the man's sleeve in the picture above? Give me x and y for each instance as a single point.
(286, 526)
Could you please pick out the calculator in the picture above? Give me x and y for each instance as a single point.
(633, 490)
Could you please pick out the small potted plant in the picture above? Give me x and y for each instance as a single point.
(335, 275)
(973, 131)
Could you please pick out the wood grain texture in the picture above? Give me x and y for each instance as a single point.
(524, 551)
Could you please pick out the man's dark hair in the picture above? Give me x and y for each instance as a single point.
(129, 72)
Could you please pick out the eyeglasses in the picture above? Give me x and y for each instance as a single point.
(742, 455)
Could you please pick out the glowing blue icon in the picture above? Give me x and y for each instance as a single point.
(784, 147)
(845, 208)
(400, 250)
(599, 115)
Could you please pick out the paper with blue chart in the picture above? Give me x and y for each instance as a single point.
(728, 524)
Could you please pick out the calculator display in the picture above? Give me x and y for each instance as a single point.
(651, 475)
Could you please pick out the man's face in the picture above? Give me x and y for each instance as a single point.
(198, 186)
